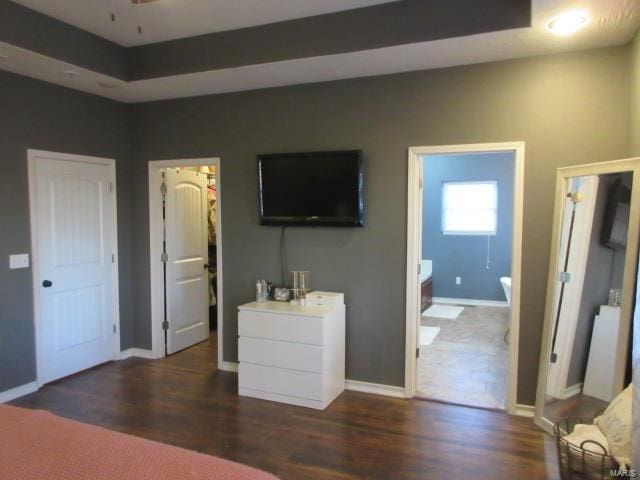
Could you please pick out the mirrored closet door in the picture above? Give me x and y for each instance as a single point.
(586, 357)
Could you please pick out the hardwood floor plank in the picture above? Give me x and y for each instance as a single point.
(184, 400)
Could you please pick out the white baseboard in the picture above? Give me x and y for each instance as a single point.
(470, 302)
(375, 388)
(229, 367)
(572, 391)
(18, 392)
(137, 352)
(525, 410)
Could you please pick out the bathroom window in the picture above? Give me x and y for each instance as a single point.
(469, 208)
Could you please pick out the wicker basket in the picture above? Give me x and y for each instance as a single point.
(574, 461)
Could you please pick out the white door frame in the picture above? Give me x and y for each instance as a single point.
(35, 261)
(414, 238)
(155, 251)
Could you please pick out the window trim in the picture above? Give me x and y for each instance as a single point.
(467, 233)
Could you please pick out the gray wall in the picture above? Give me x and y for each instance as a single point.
(26, 28)
(569, 109)
(605, 269)
(39, 115)
(466, 255)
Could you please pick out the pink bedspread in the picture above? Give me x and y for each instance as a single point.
(37, 445)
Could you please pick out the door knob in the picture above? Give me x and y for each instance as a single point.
(47, 283)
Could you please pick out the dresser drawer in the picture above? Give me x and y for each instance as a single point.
(275, 353)
(292, 383)
(274, 326)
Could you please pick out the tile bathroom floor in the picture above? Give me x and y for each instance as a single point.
(467, 361)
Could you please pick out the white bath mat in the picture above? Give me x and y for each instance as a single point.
(428, 335)
(443, 311)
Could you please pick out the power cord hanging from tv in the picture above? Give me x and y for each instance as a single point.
(283, 255)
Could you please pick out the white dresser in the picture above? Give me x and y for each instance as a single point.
(291, 353)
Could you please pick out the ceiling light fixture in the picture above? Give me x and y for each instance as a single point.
(567, 23)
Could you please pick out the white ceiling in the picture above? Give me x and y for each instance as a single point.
(163, 20)
(612, 22)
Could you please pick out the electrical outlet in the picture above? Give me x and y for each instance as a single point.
(19, 261)
(458, 280)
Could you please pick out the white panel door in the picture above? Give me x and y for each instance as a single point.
(187, 278)
(74, 239)
(575, 238)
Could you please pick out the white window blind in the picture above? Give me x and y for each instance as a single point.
(469, 208)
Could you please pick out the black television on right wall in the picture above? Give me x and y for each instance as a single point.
(615, 225)
(311, 188)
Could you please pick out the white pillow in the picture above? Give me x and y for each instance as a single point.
(615, 423)
(582, 433)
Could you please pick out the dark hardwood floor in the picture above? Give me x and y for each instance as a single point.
(183, 400)
(578, 406)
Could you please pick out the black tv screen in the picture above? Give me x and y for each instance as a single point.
(615, 225)
(321, 188)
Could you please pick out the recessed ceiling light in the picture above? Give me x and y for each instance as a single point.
(567, 23)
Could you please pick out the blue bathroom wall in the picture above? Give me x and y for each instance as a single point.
(466, 255)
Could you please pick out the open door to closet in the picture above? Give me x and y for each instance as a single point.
(186, 258)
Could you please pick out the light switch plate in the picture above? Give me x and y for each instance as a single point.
(19, 261)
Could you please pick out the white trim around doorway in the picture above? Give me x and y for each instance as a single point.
(413, 254)
(155, 242)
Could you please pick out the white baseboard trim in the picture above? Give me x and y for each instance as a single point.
(572, 391)
(18, 392)
(525, 410)
(137, 352)
(229, 367)
(470, 301)
(375, 388)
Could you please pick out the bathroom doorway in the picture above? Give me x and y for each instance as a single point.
(465, 241)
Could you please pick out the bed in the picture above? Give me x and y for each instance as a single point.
(35, 445)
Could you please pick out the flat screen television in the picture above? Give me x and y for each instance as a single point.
(615, 225)
(319, 188)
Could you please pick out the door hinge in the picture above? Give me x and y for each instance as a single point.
(113, 258)
(564, 277)
(110, 187)
(163, 189)
(554, 357)
(164, 258)
(419, 269)
(114, 328)
(165, 325)
(417, 352)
